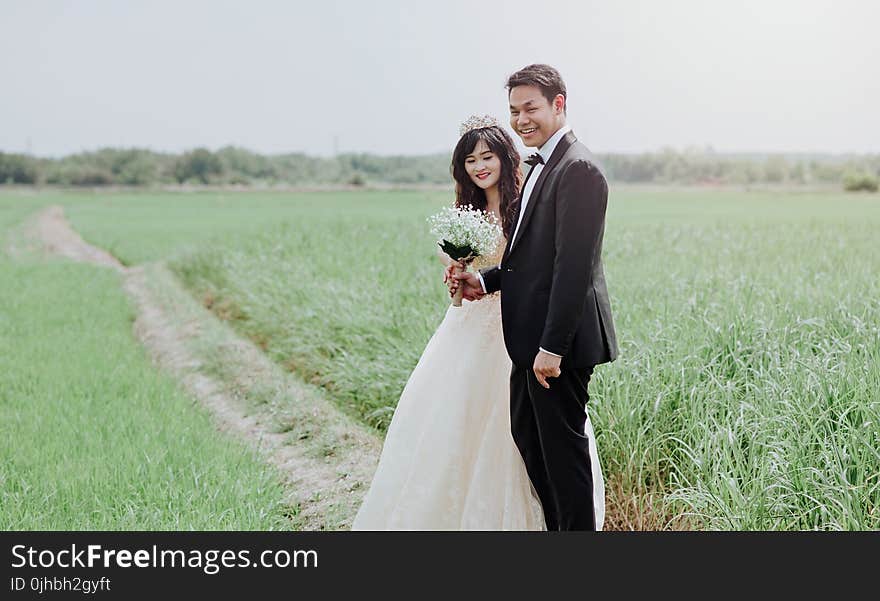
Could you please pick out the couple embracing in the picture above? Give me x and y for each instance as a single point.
(492, 430)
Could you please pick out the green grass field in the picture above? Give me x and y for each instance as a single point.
(91, 436)
(747, 387)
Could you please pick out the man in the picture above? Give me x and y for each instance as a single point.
(555, 309)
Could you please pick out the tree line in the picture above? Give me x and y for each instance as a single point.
(237, 166)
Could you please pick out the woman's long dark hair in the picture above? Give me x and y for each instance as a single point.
(468, 193)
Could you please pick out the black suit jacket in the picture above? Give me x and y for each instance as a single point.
(552, 282)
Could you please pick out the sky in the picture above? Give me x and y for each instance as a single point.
(398, 77)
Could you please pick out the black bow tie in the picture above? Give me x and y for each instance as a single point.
(534, 159)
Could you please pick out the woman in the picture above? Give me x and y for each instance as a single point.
(449, 461)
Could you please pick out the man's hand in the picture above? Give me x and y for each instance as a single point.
(471, 288)
(546, 366)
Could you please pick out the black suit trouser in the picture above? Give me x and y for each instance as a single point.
(548, 428)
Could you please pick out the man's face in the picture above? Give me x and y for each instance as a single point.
(532, 117)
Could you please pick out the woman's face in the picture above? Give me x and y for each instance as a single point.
(483, 166)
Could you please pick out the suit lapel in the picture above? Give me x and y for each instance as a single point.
(563, 145)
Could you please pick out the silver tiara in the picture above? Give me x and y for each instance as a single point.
(477, 122)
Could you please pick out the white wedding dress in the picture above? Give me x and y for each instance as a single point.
(449, 461)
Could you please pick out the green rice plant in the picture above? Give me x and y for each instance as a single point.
(92, 437)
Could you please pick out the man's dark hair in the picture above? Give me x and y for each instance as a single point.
(543, 76)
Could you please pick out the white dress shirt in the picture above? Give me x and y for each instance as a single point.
(545, 151)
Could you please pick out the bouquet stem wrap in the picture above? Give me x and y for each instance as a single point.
(457, 269)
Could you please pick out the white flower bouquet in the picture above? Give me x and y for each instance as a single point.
(465, 233)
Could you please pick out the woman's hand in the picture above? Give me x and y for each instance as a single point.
(448, 274)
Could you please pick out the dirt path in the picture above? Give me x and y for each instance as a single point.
(57, 237)
(325, 458)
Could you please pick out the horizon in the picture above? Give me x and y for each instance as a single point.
(694, 150)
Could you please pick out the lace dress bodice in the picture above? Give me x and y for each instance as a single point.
(484, 261)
